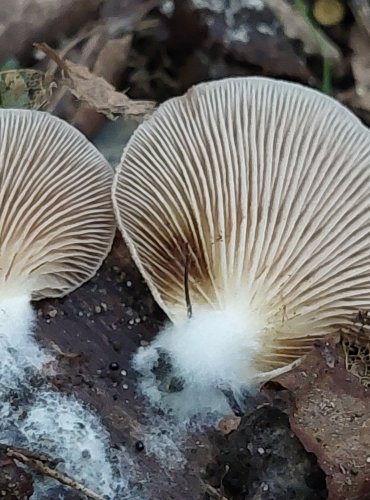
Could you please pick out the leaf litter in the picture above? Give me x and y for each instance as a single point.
(95, 90)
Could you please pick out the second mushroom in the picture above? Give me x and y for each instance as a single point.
(245, 204)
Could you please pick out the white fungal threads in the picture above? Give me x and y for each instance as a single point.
(203, 360)
(267, 185)
(64, 428)
(18, 348)
(200, 350)
(48, 422)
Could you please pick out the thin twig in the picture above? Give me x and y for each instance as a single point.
(189, 307)
(212, 492)
(41, 457)
(40, 464)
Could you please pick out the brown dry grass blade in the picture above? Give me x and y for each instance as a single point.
(95, 90)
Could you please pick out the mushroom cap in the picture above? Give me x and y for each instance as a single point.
(56, 218)
(266, 184)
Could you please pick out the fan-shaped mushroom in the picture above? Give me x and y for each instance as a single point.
(254, 194)
(56, 217)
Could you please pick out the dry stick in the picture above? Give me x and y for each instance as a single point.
(39, 463)
(186, 281)
(212, 492)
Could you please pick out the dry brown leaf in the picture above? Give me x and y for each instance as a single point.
(110, 64)
(96, 91)
(331, 418)
(228, 424)
(297, 27)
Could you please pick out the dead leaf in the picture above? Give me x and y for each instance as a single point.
(96, 91)
(297, 26)
(228, 424)
(331, 418)
(23, 88)
(110, 64)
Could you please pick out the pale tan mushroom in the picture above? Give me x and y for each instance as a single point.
(56, 220)
(266, 184)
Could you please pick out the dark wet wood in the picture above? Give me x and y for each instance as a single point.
(104, 322)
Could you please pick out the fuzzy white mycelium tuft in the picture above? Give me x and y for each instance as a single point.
(200, 350)
(204, 361)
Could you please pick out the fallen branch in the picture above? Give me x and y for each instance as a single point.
(43, 464)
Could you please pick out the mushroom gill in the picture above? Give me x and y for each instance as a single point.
(256, 193)
(56, 218)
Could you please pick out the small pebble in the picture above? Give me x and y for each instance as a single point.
(129, 284)
(80, 313)
(131, 322)
(261, 451)
(123, 373)
(124, 386)
(144, 343)
(97, 309)
(117, 345)
(104, 306)
(368, 460)
(52, 313)
(139, 445)
(114, 366)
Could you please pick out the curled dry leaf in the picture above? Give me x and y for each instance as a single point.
(109, 65)
(331, 418)
(94, 90)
